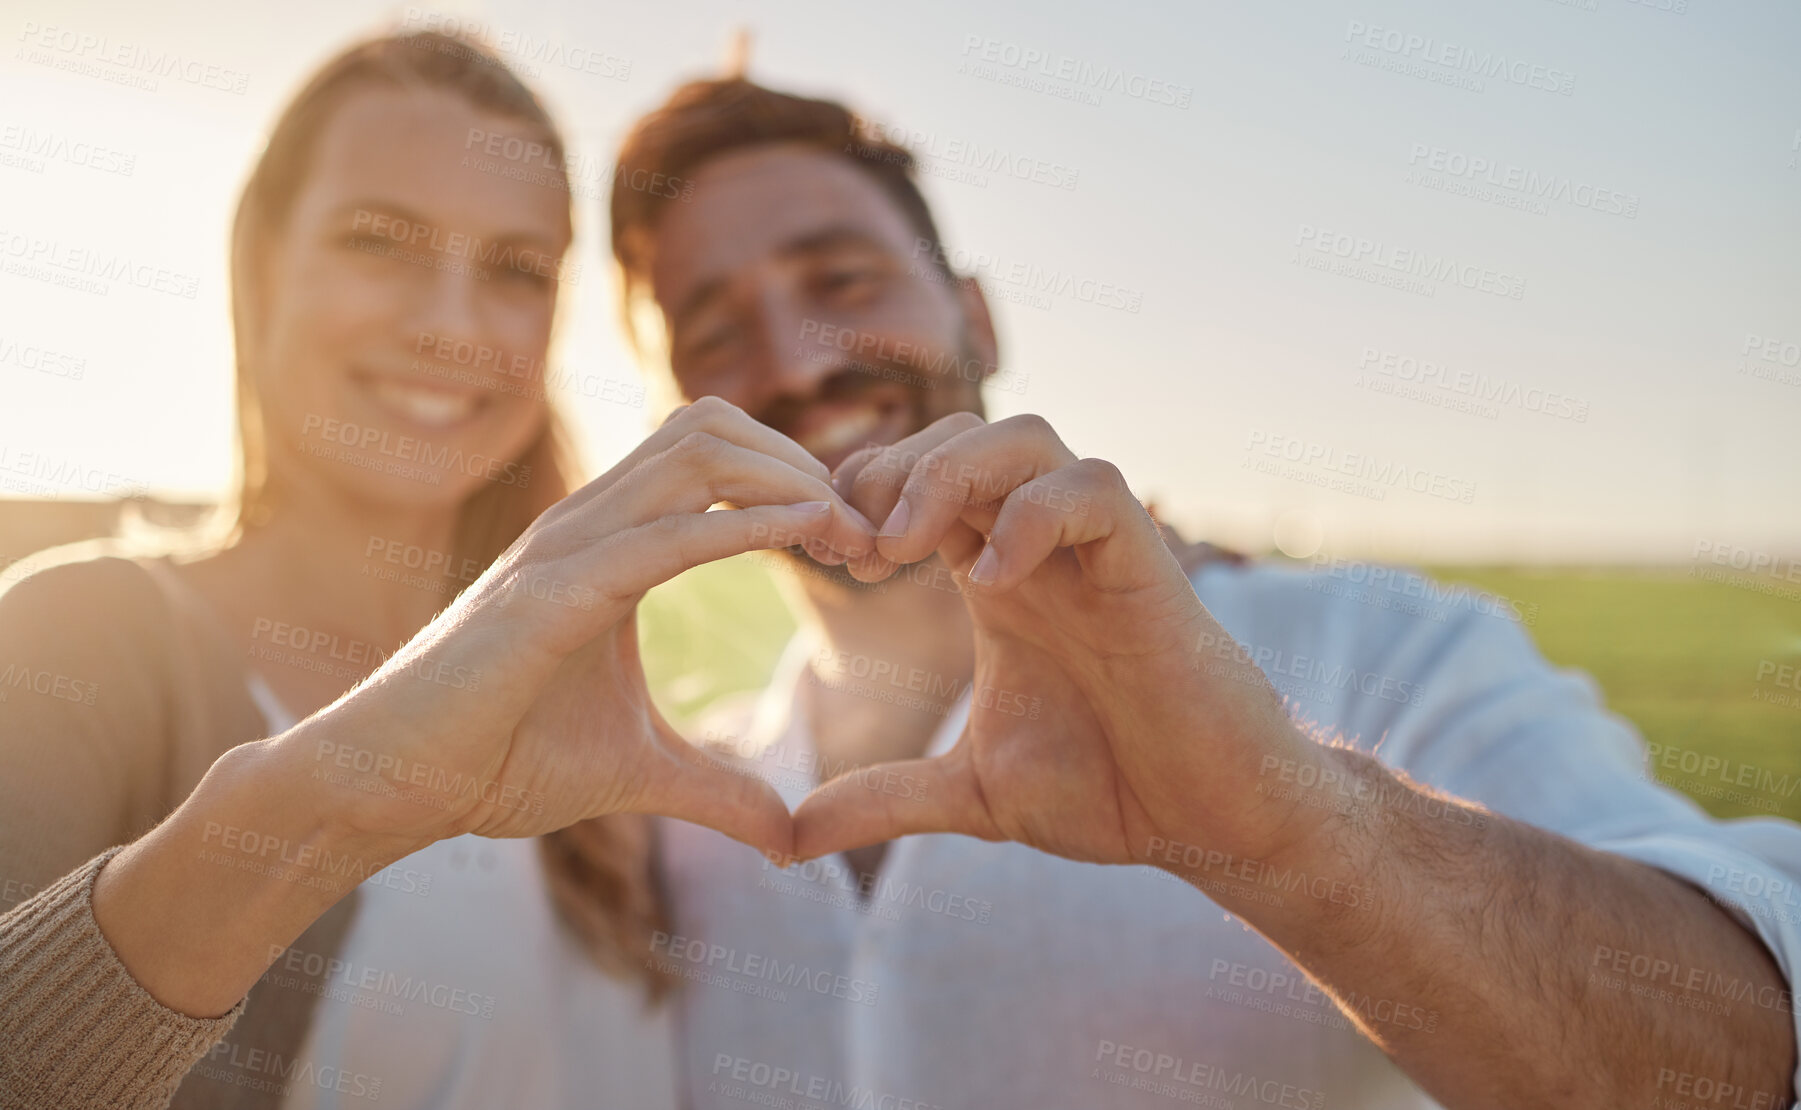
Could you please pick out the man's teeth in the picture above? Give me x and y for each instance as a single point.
(433, 407)
(852, 430)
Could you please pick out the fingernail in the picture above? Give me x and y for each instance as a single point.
(812, 506)
(986, 567)
(896, 524)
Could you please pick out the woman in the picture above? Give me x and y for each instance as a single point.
(276, 724)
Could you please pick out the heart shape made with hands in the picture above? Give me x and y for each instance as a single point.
(1081, 608)
(1076, 602)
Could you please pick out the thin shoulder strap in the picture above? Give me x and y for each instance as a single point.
(182, 598)
(274, 714)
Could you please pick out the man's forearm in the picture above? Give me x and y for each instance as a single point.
(1501, 965)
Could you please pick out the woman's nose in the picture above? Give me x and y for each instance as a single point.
(447, 302)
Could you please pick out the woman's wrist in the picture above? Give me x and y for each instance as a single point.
(370, 802)
(199, 907)
(313, 824)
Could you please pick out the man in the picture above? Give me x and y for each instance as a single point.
(1437, 867)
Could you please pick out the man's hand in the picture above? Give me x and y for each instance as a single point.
(1095, 728)
(1111, 721)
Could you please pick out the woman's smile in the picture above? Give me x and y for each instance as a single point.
(428, 406)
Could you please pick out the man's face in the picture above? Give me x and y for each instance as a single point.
(794, 287)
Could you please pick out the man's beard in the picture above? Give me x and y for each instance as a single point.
(838, 578)
(927, 403)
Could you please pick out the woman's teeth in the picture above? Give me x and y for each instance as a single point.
(432, 407)
(851, 430)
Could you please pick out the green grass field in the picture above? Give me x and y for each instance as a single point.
(1694, 664)
(1681, 658)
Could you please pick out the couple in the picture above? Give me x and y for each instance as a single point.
(258, 877)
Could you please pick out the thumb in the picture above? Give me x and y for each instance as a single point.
(875, 804)
(690, 785)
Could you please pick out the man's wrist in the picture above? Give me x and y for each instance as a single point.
(1394, 843)
(1313, 864)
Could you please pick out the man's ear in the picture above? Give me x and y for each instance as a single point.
(978, 324)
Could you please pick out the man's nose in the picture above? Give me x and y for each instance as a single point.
(794, 356)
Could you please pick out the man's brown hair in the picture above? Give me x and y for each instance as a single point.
(705, 119)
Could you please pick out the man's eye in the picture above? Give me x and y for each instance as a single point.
(839, 280)
(527, 275)
(849, 287)
(712, 339)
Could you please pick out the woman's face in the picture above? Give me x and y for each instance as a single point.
(407, 304)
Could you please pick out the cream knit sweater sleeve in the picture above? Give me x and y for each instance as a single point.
(77, 1030)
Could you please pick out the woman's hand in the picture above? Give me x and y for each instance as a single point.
(523, 708)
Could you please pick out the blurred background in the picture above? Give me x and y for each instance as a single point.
(1511, 291)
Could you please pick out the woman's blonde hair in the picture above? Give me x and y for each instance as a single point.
(600, 874)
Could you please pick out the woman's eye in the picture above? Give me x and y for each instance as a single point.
(367, 244)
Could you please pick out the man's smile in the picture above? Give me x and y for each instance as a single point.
(832, 431)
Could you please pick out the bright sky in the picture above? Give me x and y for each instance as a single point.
(1338, 196)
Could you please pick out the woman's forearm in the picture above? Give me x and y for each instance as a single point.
(198, 908)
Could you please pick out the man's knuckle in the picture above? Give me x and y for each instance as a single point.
(855, 462)
(862, 456)
(923, 477)
(933, 463)
(879, 474)
(1102, 473)
(1032, 424)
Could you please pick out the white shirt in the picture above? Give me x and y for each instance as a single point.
(983, 975)
(458, 989)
